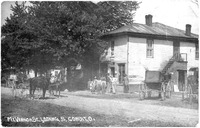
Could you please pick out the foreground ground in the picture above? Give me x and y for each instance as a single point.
(119, 110)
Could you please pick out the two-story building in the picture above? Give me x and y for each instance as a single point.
(152, 46)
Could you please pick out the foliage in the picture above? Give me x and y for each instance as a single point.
(13, 54)
(48, 34)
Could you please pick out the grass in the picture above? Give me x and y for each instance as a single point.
(25, 108)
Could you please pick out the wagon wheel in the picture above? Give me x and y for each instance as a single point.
(141, 91)
(162, 95)
(189, 92)
(149, 94)
(142, 95)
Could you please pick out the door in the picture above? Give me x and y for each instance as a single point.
(181, 79)
(121, 72)
(176, 48)
(112, 69)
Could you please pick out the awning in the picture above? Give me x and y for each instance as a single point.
(194, 69)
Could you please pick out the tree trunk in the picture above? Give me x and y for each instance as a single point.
(69, 75)
(87, 73)
(36, 72)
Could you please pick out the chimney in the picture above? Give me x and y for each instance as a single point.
(188, 30)
(148, 19)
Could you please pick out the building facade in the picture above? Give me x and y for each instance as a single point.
(136, 48)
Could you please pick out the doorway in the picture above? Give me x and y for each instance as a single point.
(121, 72)
(112, 69)
(181, 79)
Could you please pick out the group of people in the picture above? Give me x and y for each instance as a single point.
(111, 83)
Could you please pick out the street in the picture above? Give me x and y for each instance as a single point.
(131, 111)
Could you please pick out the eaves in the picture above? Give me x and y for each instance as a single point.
(152, 36)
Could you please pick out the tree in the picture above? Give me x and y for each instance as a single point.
(13, 55)
(19, 47)
(54, 33)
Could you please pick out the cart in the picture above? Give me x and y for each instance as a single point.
(155, 81)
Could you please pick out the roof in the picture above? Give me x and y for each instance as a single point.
(155, 29)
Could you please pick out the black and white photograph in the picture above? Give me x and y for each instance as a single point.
(100, 63)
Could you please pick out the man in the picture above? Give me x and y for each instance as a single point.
(125, 83)
(109, 78)
(114, 83)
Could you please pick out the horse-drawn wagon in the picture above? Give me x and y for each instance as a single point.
(155, 81)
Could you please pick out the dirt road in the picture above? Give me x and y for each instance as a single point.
(131, 110)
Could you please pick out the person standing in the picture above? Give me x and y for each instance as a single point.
(12, 82)
(114, 84)
(126, 84)
(109, 78)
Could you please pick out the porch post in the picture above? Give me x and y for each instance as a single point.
(127, 56)
(99, 69)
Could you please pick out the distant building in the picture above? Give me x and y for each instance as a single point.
(152, 46)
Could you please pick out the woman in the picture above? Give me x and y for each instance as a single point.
(125, 83)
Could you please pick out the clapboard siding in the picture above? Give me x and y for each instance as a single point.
(163, 51)
(120, 49)
(137, 59)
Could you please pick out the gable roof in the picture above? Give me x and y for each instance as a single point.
(157, 29)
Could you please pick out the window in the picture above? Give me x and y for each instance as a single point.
(196, 51)
(121, 69)
(150, 48)
(112, 47)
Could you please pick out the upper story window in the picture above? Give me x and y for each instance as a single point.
(197, 51)
(112, 45)
(150, 50)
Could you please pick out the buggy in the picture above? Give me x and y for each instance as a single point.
(155, 81)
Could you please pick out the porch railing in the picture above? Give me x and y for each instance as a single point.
(179, 57)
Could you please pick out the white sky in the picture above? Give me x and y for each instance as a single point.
(175, 13)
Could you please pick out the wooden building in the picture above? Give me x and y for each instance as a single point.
(136, 48)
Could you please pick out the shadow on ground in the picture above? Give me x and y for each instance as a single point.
(23, 108)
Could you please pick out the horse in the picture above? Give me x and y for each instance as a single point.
(39, 82)
(55, 84)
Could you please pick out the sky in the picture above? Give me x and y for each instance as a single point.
(174, 13)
